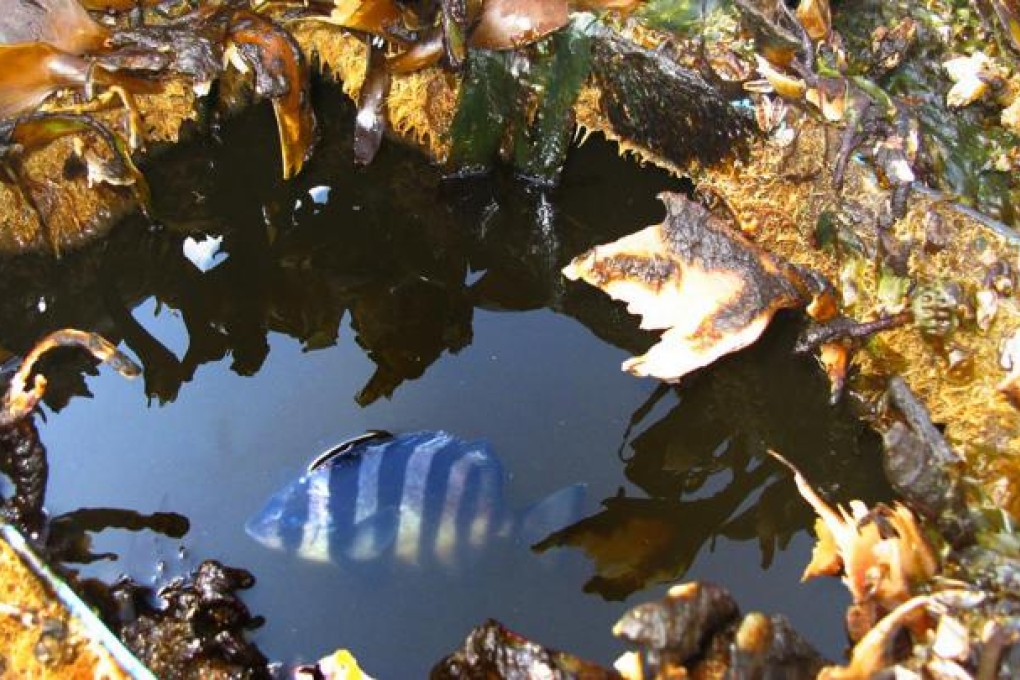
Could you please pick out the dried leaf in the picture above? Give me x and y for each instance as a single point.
(883, 552)
(633, 543)
(63, 24)
(711, 289)
(372, 16)
(816, 18)
(509, 24)
(281, 74)
(23, 395)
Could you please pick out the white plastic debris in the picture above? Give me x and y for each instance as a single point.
(204, 254)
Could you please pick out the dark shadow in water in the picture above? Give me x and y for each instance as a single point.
(704, 467)
(407, 255)
(410, 258)
(69, 536)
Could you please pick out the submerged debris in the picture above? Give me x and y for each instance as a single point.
(493, 651)
(200, 630)
(697, 629)
(882, 554)
(22, 455)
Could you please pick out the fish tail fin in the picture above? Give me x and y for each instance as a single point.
(552, 513)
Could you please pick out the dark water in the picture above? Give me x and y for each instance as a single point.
(404, 303)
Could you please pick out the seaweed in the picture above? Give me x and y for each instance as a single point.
(670, 110)
(525, 96)
(540, 149)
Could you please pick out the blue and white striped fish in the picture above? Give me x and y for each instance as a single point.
(417, 499)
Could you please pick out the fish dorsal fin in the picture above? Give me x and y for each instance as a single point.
(347, 448)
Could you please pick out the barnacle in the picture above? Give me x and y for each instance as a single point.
(937, 308)
(971, 76)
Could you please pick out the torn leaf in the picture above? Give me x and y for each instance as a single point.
(281, 74)
(707, 286)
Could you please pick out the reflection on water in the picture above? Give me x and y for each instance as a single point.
(703, 471)
(347, 300)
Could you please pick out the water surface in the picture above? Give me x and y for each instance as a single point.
(387, 298)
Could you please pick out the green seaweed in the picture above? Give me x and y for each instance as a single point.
(959, 146)
(678, 16)
(540, 149)
(488, 98)
(526, 97)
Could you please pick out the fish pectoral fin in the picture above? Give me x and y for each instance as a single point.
(371, 537)
(556, 511)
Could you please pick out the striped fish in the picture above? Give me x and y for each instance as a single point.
(416, 499)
